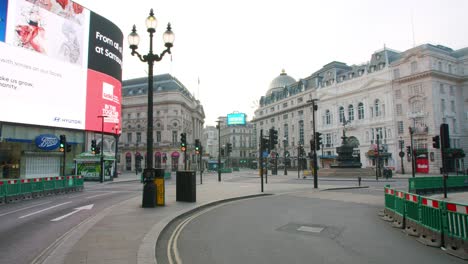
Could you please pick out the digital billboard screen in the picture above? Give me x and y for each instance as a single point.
(236, 119)
(60, 65)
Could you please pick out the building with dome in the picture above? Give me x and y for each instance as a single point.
(420, 88)
(175, 110)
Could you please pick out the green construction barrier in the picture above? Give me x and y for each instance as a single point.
(59, 184)
(37, 186)
(12, 190)
(421, 185)
(226, 170)
(167, 175)
(399, 216)
(412, 204)
(389, 198)
(235, 169)
(49, 184)
(431, 214)
(79, 182)
(2, 191)
(70, 183)
(456, 229)
(26, 188)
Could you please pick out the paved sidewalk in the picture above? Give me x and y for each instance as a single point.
(127, 233)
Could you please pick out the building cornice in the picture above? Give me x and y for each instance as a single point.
(431, 73)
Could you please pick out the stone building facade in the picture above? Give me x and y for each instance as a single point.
(175, 111)
(419, 88)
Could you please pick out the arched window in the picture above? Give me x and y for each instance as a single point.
(327, 117)
(350, 112)
(360, 111)
(377, 107)
(342, 116)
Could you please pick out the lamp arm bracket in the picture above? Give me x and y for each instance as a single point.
(142, 58)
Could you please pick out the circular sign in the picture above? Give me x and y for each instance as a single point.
(401, 154)
(47, 142)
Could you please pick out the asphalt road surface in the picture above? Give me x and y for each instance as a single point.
(30, 227)
(302, 227)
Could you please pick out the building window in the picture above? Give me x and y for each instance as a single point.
(440, 66)
(452, 90)
(397, 94)
(452, 106)
(286, 135)
(360, 111)
(328, 140)
(272, 120)
(327, 117)
(158, 136)
(441, 89)
(377, 108)
(300, 113)
(129, 137)
(301, 132)
(450, 68)
(299, 100)
(285, 105)
(399, 110)
(414, 67)
(350, 112)
(174, 137)
(400, 127)
(138, 135)
(442, 105)
(342, 115)
(272, 109)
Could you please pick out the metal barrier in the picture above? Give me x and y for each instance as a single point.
(59, 184)
(412, 214)
(79, 182)
(48, 185)
(399, 216)
(69, 184)
(456, 230)
(389, 211)
(431, 222)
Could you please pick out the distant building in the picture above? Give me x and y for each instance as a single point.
(210, 141)
(418, 88)
(175, 111)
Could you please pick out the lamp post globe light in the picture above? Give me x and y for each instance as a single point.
(149, 189)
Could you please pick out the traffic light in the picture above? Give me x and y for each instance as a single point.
(98, 150)
(93, 146)
(318, 140)
(408, 151)
(63, 142)
(229, 148)
(197, 146)
(444, 136)
(222, 152)
(265, 144)
(273, 136)
(183, 142)
(436, 142)
(68, 148)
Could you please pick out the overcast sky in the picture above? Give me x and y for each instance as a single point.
(236, 48)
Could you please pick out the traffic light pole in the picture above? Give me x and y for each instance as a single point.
(260, 158)
(219, 150)
(101, 173)
(413, 169)
(201, 164)
(299, 161)
(316, 141)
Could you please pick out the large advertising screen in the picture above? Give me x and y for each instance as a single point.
(60, 66)
(236, 119)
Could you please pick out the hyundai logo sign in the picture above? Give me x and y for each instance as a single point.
(47, 142)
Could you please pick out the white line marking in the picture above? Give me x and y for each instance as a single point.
(7, 213)
(86, 207)
(89, 197)
(40, 211)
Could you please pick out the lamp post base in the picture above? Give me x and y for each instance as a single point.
(149, 189)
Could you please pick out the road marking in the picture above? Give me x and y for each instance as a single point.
(40, 211)
(7, 213)
(86, 207)
(310, 229)
(97, 195)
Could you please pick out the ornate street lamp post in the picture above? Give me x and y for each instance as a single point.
(149, 190)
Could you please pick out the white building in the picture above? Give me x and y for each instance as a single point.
(385, 96)
(175, 111)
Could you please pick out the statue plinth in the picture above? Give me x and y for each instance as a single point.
(345, 155)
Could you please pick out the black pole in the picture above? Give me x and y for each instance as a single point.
(101, 173)
(443, 146)
(314, 108)
(377, 159)
(201, 165)
(284, 161)
(402, 154)
(116, 154)
(413, 169)
(266, 170)
(298, 161)
(260, 159)
(219, 150)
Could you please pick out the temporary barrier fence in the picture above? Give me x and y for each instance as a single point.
(19, 189)
(389, 211)
(456, 230)
(399, 217)
(431, 222)
(412, 214)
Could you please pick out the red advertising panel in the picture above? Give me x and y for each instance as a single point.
(422, 165)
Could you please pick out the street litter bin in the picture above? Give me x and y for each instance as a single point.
(186, 186)
(160, 189)
(387, 173)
